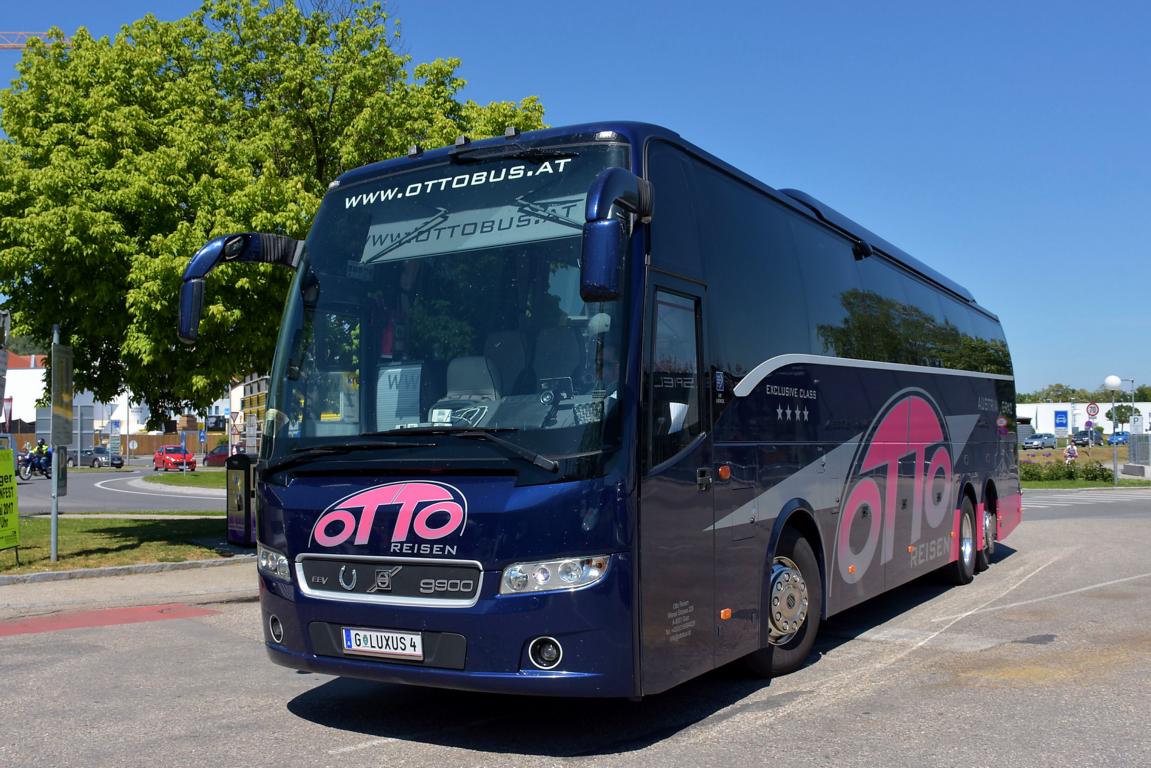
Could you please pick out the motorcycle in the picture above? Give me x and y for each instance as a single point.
(30, 464)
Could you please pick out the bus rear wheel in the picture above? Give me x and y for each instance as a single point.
(962, 571)
(986, 552)
(793, 605)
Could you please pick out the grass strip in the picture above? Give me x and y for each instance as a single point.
(143, 513)
(189, 479)
(87, 543)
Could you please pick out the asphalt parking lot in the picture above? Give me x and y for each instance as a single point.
(1045, 660)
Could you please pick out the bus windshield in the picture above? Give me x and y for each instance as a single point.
(446, 300)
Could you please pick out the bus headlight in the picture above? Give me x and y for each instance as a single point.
(272, 563)
(553, 575)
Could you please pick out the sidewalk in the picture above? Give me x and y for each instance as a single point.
(210, 581)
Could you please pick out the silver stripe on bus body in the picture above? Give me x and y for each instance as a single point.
(811, 483)
(756, 376)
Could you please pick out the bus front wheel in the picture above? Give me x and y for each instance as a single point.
(793, 605)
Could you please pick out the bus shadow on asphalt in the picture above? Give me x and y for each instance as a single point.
(853, 622)
(529, 725)
(547, 726)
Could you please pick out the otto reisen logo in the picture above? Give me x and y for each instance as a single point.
(910, 431)
(424, 511)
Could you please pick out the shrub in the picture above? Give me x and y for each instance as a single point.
(1059, 471)
(1096, 471)
(1091, 471)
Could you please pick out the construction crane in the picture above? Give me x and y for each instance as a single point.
(17, 40)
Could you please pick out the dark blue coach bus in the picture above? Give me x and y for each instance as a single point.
(588, 412)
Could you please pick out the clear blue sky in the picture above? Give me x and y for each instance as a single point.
(1008, 145)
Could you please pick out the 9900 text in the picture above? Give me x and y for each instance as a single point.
(433, 586)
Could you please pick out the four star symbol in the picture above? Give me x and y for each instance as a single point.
(789, 411)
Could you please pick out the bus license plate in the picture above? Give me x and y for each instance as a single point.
(384, 643)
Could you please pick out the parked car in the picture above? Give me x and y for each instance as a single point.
(216, 457)
(99, 456)
(1088, 437)
(1040, 440)
(1118, 438)
(172, 457)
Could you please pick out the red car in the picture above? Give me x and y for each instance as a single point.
(216, 457)
(172, 457)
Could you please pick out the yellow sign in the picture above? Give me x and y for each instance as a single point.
(9, 515)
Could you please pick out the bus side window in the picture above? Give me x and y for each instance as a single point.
(674, 381)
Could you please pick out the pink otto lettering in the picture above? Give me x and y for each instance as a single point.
(428, 510)
(911, 427)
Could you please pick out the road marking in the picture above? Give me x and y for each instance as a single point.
(101, 485)
(831, 690)
(963, 643)
(107, 617)
(1100, 585)
(361, 745)
(1045, 499)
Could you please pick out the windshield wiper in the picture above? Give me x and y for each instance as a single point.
(538, 459)
(439, 218)
(304, 455)
(509, 152)
(544, 462)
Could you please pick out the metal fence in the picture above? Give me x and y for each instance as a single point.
(1139, 449)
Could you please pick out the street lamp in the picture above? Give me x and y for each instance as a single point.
(1114, 384)
(1132, 416)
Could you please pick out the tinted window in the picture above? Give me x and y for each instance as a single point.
(829, 277)
(925, 298)
(989, 353)
(881, 325)
(674, 233)
(674, 419)
(958, 315)
(750, 263)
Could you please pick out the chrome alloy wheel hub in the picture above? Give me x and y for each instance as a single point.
(788, 601)
(966, 540)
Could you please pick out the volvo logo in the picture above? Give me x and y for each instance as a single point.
(345, 584)
(384, 579)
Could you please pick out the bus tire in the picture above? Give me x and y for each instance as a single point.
(962, 571)
(794, 602)
(986, 553)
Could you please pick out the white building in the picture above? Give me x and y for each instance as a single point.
(25, 386)
(1048, 417)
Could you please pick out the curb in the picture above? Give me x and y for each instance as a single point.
(175, 490)
(122, 570)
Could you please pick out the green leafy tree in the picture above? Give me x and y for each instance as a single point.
(1121, 414)
(22, 345)
(1057, 393)
(125, 155)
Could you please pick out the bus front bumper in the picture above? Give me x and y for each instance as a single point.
(483, 648)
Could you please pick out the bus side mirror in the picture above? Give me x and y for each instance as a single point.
(191, 304)
(246, 246)
(604, 235)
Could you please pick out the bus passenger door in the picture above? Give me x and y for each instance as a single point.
(676, 541)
